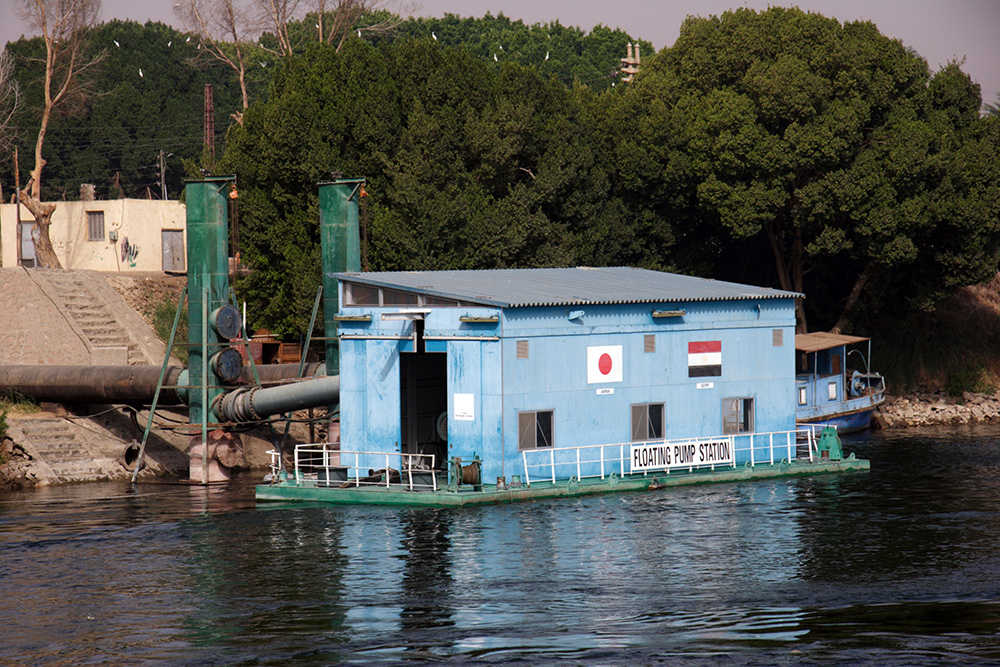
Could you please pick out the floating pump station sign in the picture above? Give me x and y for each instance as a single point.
(687, 454)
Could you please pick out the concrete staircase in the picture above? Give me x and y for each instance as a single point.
(88, 304)
(54, 442)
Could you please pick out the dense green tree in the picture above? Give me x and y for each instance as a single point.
(469, 166)
(784, 136)
(567, 53)
(146, 96)
(327, 112)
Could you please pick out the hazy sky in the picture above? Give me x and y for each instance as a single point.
(939, 30)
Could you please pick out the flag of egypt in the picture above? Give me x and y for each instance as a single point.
(705, 358)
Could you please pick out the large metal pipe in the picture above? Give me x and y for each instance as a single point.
(341, 252)
(90, 384)
(255, 403)
(97, 385)
(208, 287)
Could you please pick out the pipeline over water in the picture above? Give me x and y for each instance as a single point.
(136, 385)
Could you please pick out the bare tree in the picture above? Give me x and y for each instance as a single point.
(226, 29)
(10, 101)
(277, 14)
(64, 26)
(337, 19)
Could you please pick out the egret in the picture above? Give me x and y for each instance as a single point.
(546, 55)
(170, 43)
(140, 74)
(116, 43)
(434, 36)
(495, 58)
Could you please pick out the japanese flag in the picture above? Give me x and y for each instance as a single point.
(604, 364)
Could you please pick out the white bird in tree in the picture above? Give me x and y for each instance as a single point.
(116, 43)
(170, 43)
(140, 74)
(187, 40)
(546, 55)
(495, 58)
(434, 36)
(359, 33)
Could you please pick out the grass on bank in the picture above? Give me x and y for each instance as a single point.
(162, 314)
(14, 403)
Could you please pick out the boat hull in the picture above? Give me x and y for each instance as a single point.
(845, 422)
(309, 491)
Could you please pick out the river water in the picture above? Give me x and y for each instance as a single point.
(898, 566)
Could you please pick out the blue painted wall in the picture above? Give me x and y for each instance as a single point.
(482, 362)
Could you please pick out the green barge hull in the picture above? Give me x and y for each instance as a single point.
(398, 494)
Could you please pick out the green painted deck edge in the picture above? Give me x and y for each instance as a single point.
(309, 492)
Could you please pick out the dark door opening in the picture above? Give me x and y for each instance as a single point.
(424, 404)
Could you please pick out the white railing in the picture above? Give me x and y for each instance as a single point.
(552, 463)
(311, 459)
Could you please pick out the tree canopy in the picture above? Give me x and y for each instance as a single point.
(146, 95)
(777, 148)
(822, 149)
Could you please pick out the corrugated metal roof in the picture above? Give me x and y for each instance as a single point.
(554, 287)
(821, 340)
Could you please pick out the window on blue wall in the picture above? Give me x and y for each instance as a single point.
(534, 429)
(737, 415)
(647, 422)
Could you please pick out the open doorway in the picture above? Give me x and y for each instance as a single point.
(424, 403)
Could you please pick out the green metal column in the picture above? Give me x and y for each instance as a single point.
(208, 278)
(341, 248)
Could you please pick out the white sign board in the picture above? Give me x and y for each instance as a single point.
(694, 453)
(465, 407)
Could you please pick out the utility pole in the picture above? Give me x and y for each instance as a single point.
(209, 123)
(163, 175)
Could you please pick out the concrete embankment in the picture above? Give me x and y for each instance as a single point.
(932, 409)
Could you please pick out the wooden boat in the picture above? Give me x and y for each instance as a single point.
(834, 382)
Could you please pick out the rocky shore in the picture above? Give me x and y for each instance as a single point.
(940, 408)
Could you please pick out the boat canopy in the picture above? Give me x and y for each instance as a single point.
(821, 340)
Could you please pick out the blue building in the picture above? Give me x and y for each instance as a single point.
(638, 370)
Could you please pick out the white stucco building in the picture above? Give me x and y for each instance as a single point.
(114, 235)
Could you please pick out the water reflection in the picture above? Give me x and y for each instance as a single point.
(426, 579)
(896, 566)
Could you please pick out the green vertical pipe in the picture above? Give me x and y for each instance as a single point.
(341, 248)
(208, 285)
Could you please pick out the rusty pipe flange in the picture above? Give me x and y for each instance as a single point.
(237, 406)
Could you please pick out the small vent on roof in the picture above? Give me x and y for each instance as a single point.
(522, 349)
(649, 343)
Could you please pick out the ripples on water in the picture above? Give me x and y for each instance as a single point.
(897, 566)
